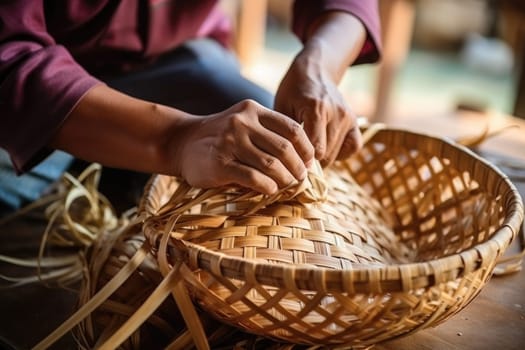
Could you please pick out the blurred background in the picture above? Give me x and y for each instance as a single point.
(438, 55)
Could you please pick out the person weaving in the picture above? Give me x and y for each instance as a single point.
(152, 86)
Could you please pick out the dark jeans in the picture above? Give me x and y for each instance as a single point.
(200, 77)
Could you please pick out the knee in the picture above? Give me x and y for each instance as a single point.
(218, 69)
(212, 58)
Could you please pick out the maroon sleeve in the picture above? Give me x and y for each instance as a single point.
(40, 82)
(306, 11)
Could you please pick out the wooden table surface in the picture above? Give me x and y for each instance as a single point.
(494, 320)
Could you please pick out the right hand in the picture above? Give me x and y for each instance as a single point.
(247, 144)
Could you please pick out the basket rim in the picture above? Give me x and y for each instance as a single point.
(396, 277)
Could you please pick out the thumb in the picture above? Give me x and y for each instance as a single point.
(315, 128)
(352, 143)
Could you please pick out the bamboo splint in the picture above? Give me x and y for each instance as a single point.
(396, 239)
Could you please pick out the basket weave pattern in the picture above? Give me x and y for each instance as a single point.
(398, 238)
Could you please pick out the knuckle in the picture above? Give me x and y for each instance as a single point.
(343, 113)
(295, 131)
(316, 114)
(269, 163)
(248, 104)
(284, 147)
(320, 150)
(348, 116)
(226, 142)
(237, 121)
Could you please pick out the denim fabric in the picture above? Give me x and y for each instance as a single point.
(201, 77)
(15, 191)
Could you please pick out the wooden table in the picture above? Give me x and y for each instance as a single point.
(494, 320)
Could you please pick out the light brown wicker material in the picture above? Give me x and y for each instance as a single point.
(399, 238)
(165, 326)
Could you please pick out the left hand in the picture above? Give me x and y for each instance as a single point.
(309, 95)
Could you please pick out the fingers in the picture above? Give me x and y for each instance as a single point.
(257, 148)
(336, 132)
(344, 137)
(333, 132)
(264, 145)
(315, 128)
(283, 168)
(246, 176)
(283, 134)
(352, 142)
(210, 167)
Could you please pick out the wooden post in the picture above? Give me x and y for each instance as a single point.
(397, 17)
(250, 30)
(519, 105)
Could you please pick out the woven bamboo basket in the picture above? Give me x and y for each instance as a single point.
(165, 327)
(398, 238)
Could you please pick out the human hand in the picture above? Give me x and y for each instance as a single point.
(309, 95)
(247, 145)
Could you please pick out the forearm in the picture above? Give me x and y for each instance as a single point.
(120, 131)
(308, 92)
(246, 144)
(334, 41)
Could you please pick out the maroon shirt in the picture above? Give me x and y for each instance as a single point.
(48, 48)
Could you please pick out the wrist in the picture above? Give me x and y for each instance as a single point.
(314, 57)
(337, 51)
(170, 146)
